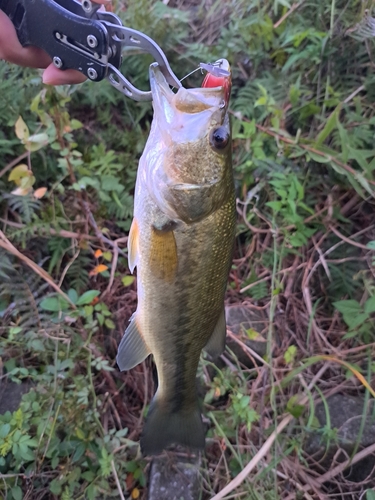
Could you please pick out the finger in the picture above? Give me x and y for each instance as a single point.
(11, 50)
(54, 76)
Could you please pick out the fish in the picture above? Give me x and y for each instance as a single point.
(181, 242)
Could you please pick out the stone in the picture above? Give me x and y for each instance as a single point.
(175, 476)
(11, 395)
(346, 416)
(242, 318)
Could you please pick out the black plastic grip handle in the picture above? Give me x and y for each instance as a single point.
(61, 28)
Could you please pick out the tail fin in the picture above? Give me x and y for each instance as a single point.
(163, 429)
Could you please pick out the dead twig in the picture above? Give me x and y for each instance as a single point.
(348, 240)
(287, 14)
(7, 245)
(114, 263)
(114, 472)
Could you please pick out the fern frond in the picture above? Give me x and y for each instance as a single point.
(78, 274)
(25, 206)
(22, 290)
(364, 30)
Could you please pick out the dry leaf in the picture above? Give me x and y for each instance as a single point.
(21, 191)
(40, 192)
(98, 269)
(98, 253)
(135, 493)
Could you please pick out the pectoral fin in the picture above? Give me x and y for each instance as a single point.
(133, 245)
(132, 349)
(163, 254)
(216, 343)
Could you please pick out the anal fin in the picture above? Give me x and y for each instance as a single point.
(132, 349)
(216, 343)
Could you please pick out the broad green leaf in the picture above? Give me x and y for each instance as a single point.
(14, 330)
(4, 430)
(245, 401)
(37, 345)
(17, 493)
(87, 297)
(75, 124)
(27, 182)
(55, 486)
(54, 304)
(22, 131)
(109, 323)
(371, 245)
(36, 141)
(369, 306)
(354, 321)
(127, 280)
(348, 306)
(88, 310)
(17, 173)
(370, 495)
(73, 295)
(88, 476)
(26, 453)
(275, 205)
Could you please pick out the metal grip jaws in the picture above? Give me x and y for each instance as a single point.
(64, 29)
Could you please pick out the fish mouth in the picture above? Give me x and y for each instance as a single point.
(219, 75)
(199, 98)
(196, 109)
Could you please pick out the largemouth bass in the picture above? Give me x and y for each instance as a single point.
(181, 241)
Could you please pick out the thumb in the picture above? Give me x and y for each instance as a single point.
(54, 76)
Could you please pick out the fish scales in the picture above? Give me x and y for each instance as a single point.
(181, 241)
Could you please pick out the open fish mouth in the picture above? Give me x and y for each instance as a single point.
(188, 114)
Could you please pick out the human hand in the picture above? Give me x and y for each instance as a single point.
(12, 51)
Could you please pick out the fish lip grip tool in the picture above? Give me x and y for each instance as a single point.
(80, 36)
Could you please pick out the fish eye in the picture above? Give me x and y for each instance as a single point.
(219, 137)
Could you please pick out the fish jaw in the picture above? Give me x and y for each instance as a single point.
(184, 172)
(184, 116)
